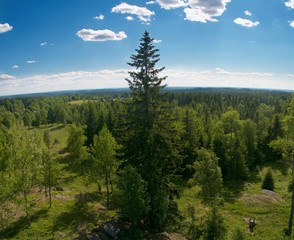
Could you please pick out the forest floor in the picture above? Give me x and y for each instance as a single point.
(77, 208)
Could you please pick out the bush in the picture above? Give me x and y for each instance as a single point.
(214, 226)
(268, 181)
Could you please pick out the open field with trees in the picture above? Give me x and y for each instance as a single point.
(202, 163)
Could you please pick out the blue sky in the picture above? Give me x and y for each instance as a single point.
(51, 45)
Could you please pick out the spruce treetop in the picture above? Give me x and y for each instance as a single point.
(145, 59)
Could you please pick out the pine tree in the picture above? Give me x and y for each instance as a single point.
(148, 146)
(132, 197)
(268, 181)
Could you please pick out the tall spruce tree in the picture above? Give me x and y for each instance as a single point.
(148, 146)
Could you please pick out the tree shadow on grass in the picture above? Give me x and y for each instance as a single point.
(22, 224)
(57, 127)
(233, 190)
(75, 219)
(282, 166)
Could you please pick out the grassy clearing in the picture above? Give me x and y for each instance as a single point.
(270, 211)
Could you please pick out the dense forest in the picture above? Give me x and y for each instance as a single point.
(198, 162)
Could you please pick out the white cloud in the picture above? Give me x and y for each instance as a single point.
(169, 4)
(157, 41)
(114, 78)
(129, 18)
(43, 44)
(90, 35)
(245, 22)
(5, 27)
(205, 11)
(223, 78)
(6, 76)
(150, 2)
(247, 13)
(291, 23)
(100, 17)
(290, 4)
(143, 14)
(75, 80)
(15, 66)
(31, 61)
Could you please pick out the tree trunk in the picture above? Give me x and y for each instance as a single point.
(46, 191)
(107, 190)
(25, 195)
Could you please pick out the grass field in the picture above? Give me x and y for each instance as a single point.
(77, 207)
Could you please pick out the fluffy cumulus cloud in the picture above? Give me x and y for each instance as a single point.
(169, 4)
(143, 14)
(246, 22)
(43, 44)
(15, 66)
(290, 4)
(90, 35)
(247, 13)
(205, 11)
(291, 23)
(100, 17)
(5, 27)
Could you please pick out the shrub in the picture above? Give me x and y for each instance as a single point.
(268, 181)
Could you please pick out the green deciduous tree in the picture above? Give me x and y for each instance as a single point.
(76, 148)
(46, 138)
(6, 165)
(104, 163)
(27, 156)
(229, 147)
(208, 176)
(50, 172)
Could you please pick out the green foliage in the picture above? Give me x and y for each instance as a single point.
(237, 125)
(229, 147)
(132, 197)
(6, 165)
(27, 160)
(46, 138)
(75, 146)
(208, 176)
(268, 181)
(104, 161)
(214, 226)
(50, 172)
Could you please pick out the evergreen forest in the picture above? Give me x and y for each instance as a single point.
(157, 162)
